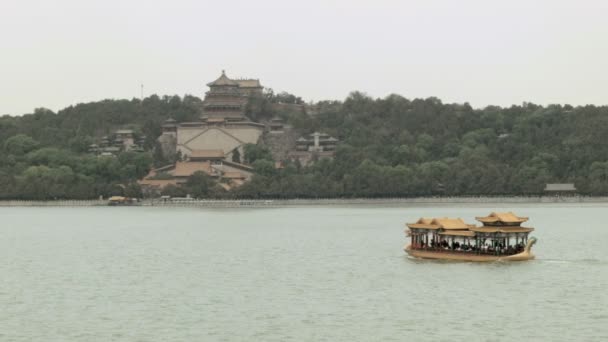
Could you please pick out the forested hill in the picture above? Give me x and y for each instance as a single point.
(396, 146)
(389, 147)
(44, 155)
(75, 127)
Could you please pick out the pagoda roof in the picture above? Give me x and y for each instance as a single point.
(507, 217)
(502, 229)
(451, 223)
(238, 165)
(223, 80)
(187, 169)
(440, 223)
(424, 223)
(249, 83)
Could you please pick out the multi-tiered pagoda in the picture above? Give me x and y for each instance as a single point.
(227, 98)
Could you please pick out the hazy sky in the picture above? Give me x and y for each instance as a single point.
(62, 52)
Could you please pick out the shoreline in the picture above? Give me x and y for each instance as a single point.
(182, 202)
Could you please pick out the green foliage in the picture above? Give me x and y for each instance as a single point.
(423, 147)
(255, 152)
(20, 144)
(264, 167)
(236, 156)
(174, 191)
(41, 147)
(200, 185)
(389, 146)
(133, 190)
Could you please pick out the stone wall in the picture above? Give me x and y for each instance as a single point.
(280, 144)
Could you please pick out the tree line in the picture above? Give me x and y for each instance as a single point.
(391, 146)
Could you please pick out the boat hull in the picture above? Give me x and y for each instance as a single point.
(446, 255)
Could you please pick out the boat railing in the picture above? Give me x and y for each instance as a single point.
(477, 251)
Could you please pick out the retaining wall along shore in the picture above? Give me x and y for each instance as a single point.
(312, 202)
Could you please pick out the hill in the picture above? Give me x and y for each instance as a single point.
(391, 146)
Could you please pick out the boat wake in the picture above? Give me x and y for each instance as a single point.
(574, 261)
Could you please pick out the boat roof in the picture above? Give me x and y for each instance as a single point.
(504, 229)
(440, 223)
(507, 217)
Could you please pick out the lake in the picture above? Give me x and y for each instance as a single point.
(292, 274)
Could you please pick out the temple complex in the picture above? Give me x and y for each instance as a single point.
(209, 144)
(223, 124)
(212, 162)
(214, 144)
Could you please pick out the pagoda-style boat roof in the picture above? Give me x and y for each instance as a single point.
(508, 217)
(500, 238)
(440, 223)
(502, 229)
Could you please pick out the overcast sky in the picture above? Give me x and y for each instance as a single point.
(62, 52)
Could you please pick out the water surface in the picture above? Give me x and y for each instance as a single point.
(292, 274)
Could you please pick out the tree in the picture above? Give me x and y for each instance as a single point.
(20, 144)
(236, 156)
(80, 143)
(255, 152)
(200, 185)
(264, 167)
(174, 191)
(133, 190)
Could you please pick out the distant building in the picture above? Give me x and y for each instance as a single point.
(317, 142)
(125, 137)
(228, 98)
(212, 162)
(276, 125)
(216, 134)
(560, 189)
(223, 124)
(119, 141)
(313, 147)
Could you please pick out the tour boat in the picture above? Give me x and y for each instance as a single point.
(501, 237)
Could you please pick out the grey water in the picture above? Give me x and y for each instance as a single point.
(292, 274)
